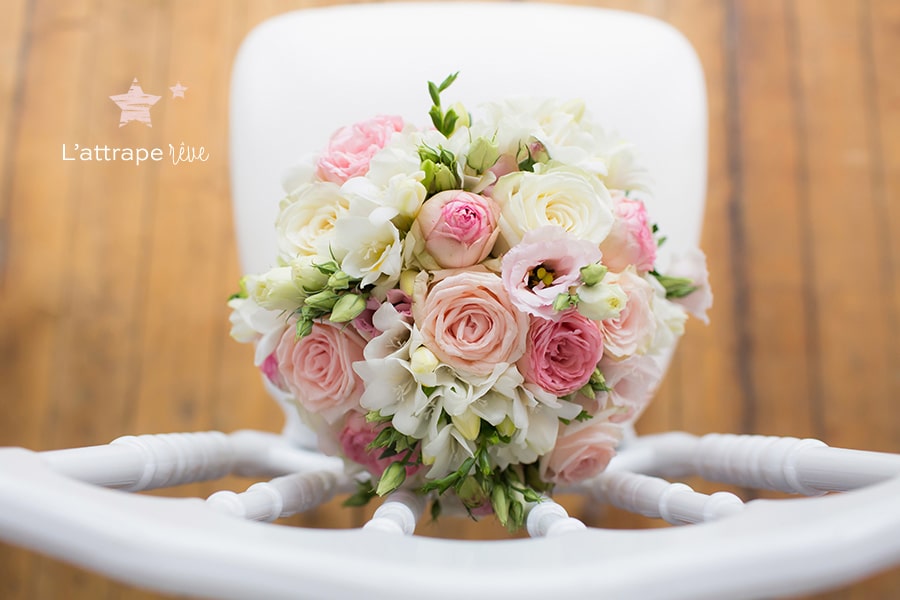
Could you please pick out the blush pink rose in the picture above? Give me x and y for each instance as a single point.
(318, 369)
(351, 148)
(355, 438)
(459, 228)
(556, 251)
(634, 381)
(582, 450)
(560, 356)
(630, 242)
(469, 323)
(633, 330)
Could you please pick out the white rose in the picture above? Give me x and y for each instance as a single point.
(567, 198)
(305, 225)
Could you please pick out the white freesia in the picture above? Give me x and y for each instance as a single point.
(252, 323)
(305, 225)
(563, 197)
(370, 248)
(402, 194)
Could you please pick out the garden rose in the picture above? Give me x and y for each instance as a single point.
(469, 322)
(318, 369)
(633, 381)
(582, 450)
(633, 330)
(351, 148)
(692, 265)
(545, 264)
(560, 356)
(459, 228)
(568, 198)
(630, 241)
(305, 224)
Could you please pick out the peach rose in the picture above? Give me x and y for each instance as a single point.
(318, 369)
(469, 323)
(561, 356)
(459, 227)
(582, 450)
(633, 330)
(351, 148)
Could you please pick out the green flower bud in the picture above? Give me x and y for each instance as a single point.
(339, 281)
(462, 115)
(483, 154)
(564, 302)
(444, 179)
(304, 328)
(471, 493)
(500, 504)
(275, 290)
(392, 478)
(347, 308)
(593, 274)
(324, 300)
(307, 275)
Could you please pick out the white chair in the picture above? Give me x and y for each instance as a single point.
(286, 100)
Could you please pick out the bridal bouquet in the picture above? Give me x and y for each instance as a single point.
(472, 309)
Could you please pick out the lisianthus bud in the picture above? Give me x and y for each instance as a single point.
(602, 301)
(471, 493)
(339, 281)
(593, 274)
(423, 361)
(392, 478)
(468, 424)
(347, 308)
(483, 154)
(324, 300)
(459, 227)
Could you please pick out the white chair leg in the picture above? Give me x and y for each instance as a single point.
(548, 519)
(398, 514)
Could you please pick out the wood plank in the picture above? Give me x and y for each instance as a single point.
(854, 312)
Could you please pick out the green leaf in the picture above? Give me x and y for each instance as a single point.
(448, 81)
(363, 494)
(435, 93)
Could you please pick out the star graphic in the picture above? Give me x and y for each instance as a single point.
(135, 105)
(178, 90)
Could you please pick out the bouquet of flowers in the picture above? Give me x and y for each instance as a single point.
(472, 309)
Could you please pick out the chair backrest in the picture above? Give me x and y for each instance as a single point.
(300, 76)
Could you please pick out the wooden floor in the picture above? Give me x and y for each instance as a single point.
(113, 276)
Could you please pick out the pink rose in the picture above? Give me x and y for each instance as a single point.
(545, 264)
(354, 439)
(269, 368)
(459, 228)
(469, 323)
(352, 147)
(633, 330)
(318, 369)
(582, 450)
(630, 242)
(633, 382)
(561, 356)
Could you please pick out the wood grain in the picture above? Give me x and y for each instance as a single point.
(113, 276)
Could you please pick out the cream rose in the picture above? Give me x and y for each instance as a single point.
(305, 225)
(567, 198)
(469, 322)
